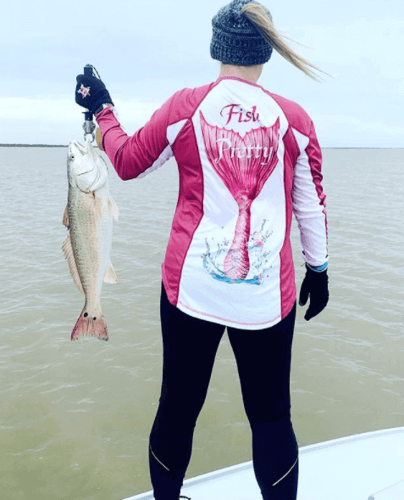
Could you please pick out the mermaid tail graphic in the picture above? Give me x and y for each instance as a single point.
(244, 165)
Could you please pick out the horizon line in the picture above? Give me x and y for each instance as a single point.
(17, 145)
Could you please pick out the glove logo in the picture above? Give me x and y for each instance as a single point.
(84, 91)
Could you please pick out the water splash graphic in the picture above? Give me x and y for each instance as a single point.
(214, 260)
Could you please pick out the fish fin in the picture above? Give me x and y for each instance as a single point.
(68, 253)
(110, 276)
(90, 327)
(114, 209)
(66, 218)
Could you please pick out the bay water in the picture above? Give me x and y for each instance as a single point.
(75, 416)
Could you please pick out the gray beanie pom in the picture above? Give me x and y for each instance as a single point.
(237, 40)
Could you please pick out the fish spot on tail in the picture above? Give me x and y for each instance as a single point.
(90, 328)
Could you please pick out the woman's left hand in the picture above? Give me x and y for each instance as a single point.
(91, 93)
(314, 284)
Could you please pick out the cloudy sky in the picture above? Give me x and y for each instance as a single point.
(147, 50)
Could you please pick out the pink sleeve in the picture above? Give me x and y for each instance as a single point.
(142, 153)
(309, 199)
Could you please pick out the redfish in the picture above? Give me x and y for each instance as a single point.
(89, 218)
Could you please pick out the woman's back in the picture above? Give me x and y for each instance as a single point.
(247, 159)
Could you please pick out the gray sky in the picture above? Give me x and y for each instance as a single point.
(147, 50)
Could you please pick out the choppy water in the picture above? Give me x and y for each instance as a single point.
(75, 416)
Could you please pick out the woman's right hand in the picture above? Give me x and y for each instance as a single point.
(91, 93)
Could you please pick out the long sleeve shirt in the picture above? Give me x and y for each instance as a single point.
(248, 160)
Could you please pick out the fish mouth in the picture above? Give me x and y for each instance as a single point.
(83, 149)
(76, 145)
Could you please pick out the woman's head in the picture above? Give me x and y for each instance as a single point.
(236, 40)
(244, 35)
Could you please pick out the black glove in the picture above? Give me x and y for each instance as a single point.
(91, 93)
(314, 284)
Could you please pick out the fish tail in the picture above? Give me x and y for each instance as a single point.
(90, 325)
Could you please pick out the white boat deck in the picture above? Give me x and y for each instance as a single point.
(368, 466)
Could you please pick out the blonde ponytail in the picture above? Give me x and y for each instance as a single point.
(262, 18)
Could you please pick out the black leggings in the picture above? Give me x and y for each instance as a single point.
(263, 362)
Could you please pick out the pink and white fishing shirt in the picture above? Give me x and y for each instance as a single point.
(247, 159)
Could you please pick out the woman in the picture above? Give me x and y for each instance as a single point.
(247, 160)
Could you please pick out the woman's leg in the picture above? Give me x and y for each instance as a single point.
(189, 350)
(263, 362)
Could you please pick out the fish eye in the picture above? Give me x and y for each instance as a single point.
(72, 157)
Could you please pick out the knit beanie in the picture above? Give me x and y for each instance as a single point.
(236, 39)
